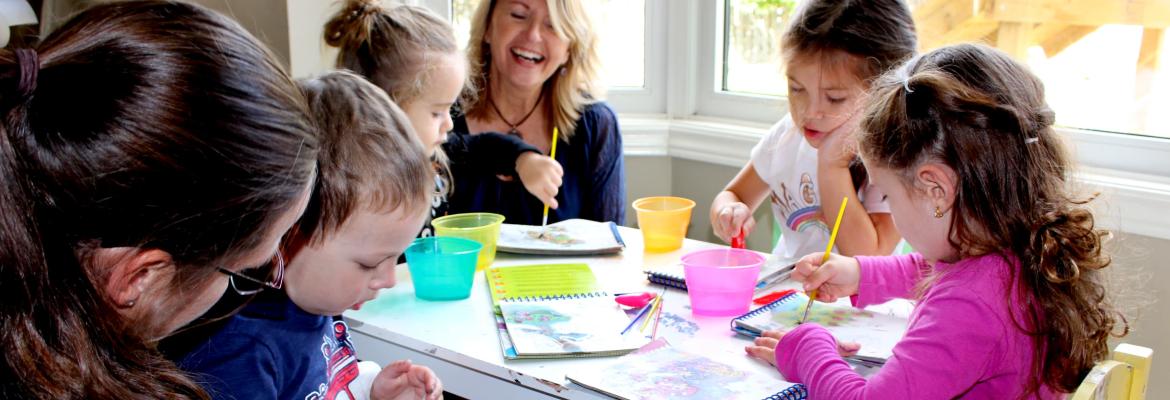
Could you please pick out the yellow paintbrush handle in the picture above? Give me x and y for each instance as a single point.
(832, 238)
(552, 153)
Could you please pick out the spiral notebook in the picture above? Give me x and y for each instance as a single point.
(588, 325)
(876, 332)
(556, 311)
(659, 371)
(540, 280)
(774, 270)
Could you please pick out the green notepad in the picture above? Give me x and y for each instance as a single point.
(540, 281)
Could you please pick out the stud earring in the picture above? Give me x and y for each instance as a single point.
(130, 303)
(938, 212)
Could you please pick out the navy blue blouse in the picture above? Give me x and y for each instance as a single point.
(593, 187)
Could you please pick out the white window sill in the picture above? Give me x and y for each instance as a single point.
(1129, 172)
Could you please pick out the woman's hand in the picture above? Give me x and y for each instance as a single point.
(541, 176)
(402, 380)
(839, 277)
(731, 219)
(765, 347)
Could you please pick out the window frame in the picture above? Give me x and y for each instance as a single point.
(648, 99)
(683, 112)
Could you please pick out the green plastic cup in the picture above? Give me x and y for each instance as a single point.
(480, 227)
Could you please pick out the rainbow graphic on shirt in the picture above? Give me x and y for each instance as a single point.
(806, 218)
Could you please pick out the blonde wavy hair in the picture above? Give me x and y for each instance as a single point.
(571, 89)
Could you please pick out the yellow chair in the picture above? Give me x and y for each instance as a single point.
(1122, 378)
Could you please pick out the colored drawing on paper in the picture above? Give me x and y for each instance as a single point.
(554, 235)
(826, 316)
(680, 324)
(668, 373)
(546, 328)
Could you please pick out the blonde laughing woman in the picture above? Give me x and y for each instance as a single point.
(535, 65)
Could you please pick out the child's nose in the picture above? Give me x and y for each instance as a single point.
(384, 279)
(816, 110)
(446, 127)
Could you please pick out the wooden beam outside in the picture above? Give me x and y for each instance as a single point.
(1014, 38)
(935, 18)
(1148, 13)
(1151, 43)
(1054, 37)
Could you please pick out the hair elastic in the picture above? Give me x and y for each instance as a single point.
(26, 60)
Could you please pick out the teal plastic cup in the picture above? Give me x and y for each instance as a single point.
(442, 268)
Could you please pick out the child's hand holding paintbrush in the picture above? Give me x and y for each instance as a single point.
(831, 280)
(826, 277)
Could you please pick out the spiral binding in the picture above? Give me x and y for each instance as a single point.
(557, 297)
(764, 308)
(796, 392)
(666, 281)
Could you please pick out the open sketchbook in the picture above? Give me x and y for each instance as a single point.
(579, 326)
(774, 270)
(659, 371)
(568, 237)
(877, 333)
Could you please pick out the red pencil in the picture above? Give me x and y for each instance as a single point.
(659, 316)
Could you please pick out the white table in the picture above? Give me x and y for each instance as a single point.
(459, 339)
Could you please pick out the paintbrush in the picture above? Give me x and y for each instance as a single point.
(552, 153)
(832, 238)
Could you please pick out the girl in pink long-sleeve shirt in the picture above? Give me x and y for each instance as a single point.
(1007, 284)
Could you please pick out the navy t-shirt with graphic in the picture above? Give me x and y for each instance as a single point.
(274, 350)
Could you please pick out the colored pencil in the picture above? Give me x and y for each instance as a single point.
(657, 317)
(637, 317)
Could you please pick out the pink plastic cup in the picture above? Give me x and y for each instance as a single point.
(720, 282)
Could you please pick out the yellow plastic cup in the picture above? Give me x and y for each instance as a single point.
(663, 221)
(481, 227)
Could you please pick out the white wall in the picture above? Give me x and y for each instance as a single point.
(266, 19)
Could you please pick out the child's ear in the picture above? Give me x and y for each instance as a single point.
(131, 271)
(938, 182)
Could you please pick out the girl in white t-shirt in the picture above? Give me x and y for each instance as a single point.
(807, 162)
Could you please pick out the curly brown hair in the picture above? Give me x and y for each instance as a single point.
(976, 110)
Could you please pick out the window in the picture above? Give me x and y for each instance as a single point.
(751, 46)
(621, 25)
(1102, 62)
